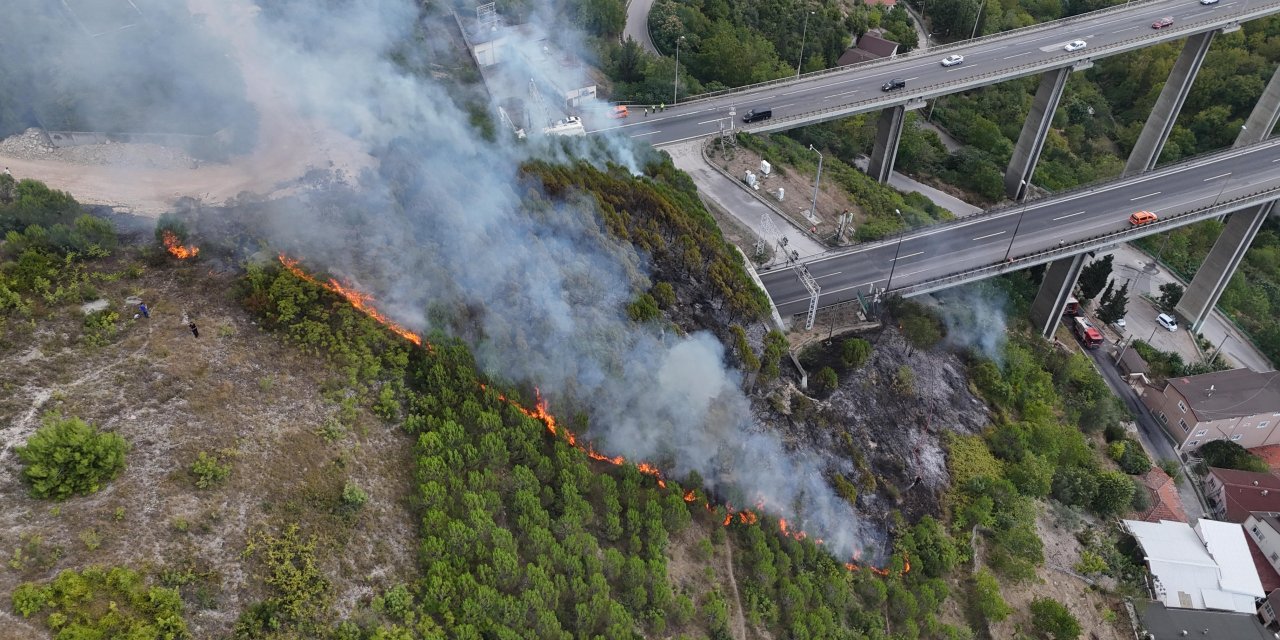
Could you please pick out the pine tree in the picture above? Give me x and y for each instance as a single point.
(1114, 308)
(1106, 295)
(1094, 277)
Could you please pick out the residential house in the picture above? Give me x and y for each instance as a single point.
(1162, 623)
(1207, 566)
(1263, 531)
(1239, 405)
(1165, 503)
(1232, 495)
(871, 46)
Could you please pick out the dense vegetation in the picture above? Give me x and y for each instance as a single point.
(67, 456)
(103, 603)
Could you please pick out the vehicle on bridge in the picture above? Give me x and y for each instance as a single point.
(1208, 1)
(1090, 337)
(619, 112)
(756, 115)
(1139, 218)
(1075, 45)
(952, 60)
(894, 85)
(1162, 22)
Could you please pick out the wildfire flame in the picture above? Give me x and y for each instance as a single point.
(363, 302)
(173, 246)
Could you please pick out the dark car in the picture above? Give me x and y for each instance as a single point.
(756, 115)
(893, 85)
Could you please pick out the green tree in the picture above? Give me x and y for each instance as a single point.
(921, 331)
(604, 18)
(1094, 277)
(1115, 492)
(66, 456)
(1116, 306)
(1170, 295)
(1032, 475)
(827, 379)
(854, 352)
(1225, 454)
(735, 56)
(987, 596)
(1053, 620)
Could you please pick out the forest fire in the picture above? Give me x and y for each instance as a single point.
(540, 412)
(176, 248)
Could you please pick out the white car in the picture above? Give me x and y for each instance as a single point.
(1208, 1)
(1167, 321)
(1075, 45)
(952, 60)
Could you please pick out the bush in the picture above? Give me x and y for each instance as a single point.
(353, 497)
(643, 309)
(1115, 493)
(1172, 469)
(664, 295)
(1134, 459)
(100, 327)
(207, 471)
(69, 456)
(1225, 454)
(854, 352)
(1053, 620)
(827, 379)
(103, 603)
(987, 596)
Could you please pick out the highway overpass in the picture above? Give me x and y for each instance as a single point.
(1047, 230)
(844, 91)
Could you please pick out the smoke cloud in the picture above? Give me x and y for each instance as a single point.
(445, 223)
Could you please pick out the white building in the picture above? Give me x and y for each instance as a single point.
(1207, 566)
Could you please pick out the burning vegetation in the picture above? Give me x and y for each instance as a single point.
(175, 247)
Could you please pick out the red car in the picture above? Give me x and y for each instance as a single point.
(1162, 22)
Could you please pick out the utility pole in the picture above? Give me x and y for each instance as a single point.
(896, 252)
(981, 4)
(1021, 187)
(813, 210)
(803, 33)
(675, 82)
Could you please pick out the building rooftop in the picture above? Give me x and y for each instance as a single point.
(1230, 394)
(869, 47)
(1266, 573)
(1270, 454)
(1164, 623)
(1165, 502)
(1206, 567)
(1247, 491)
(1132, 362)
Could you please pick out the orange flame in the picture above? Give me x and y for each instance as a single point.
(540, 412)
(173, 246)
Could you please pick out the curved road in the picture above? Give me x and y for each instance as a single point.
(832, 94)
(637, 27)
(939, 251)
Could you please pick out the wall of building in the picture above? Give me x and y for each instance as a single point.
(1215, 495)
(1170, 410)
(1267, 537)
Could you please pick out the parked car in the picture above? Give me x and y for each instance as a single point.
(952, 60)
(1075, 45)
(1163, 22)
(1208, 1)
(1167, 321)
(1139, 218)
(893, 85)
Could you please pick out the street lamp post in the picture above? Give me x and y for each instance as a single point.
(813, 211)
(1021, 185)
(1130, 341)
(897, 251)
(981, 4)
(803, 33)
(1218, 350)
(675, 82)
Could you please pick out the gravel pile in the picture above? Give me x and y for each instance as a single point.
(32, 145)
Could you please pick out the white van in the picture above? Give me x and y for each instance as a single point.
(1167, 321)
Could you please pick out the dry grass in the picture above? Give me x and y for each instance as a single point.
(236, 391)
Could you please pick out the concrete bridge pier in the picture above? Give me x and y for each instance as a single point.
(1146, 151)
(1059, 280)
(888, 134)
(1215, 273)
(1034, 130)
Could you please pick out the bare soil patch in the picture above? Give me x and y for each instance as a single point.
(797, 190)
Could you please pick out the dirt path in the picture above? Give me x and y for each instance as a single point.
(289, 144)
(739, 620)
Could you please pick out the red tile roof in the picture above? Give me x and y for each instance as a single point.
(1165, 503)
(1266, 573)
(1270, 453)
(1246, 491)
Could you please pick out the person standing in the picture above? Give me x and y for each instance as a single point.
(142, 308)
(194, 331)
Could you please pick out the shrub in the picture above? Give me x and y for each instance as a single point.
(664, 295)
(1172, 468)
(1115, 493)
(103, 603)
(1133, 459)
(854, 352)
(100, 327)
(68, 456)
(208, 471)
(643, 309)
(1053, 620)
(827, 379)
(987, 596)
(1229, 455)
(353, 497)
(904, 381)
(1091, 563)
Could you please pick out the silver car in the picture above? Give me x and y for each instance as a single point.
(952, 60)
(1075, 45)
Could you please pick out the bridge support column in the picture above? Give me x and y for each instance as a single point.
(888, 133)
(1160, 123)
(1034, 130)
(1059, 279)
(1215, 272)
(1262, 121)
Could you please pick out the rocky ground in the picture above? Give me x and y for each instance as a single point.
(33, 145)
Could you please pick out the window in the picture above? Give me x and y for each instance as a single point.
(1185, 428)
(1202, 432)
(1254, 529)
(1193, 443)
(1163, 418)
(1263, 424)
(1182, 407)
(1236, 437)
(1275, 556)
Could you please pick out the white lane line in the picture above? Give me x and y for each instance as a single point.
(844, 93)
(783, 106)
(1276, 160)
(1016, 55)
(828, 275)
(1156, 193)
(1125, 29)
(641, 135)
(1220, 176)
(791, 92)
(1067, 216)
(989, 235)
(909, 255)
(710, 121)
(912, 78)
(903, 275)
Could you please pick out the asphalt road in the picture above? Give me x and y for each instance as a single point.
(856, 89)
(637, 26)
(984, 240)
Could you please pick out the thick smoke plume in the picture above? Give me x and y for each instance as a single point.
(445, 223)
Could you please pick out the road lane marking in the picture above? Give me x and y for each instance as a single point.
(903, 275)
(791, 92)
(845, 93)
(989, 235)
(1156, 193)
(789, 104)
(908, 256)
(1067, 216)
(1017, 54)
(710, 121)
(1220, 176)
(641, 135)
(828, 275)
(1125, 29)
